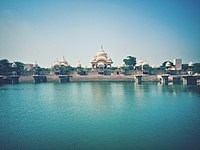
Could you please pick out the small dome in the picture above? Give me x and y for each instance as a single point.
(168, 64)
(190, 64)
(101, 53)
(122, 65)
(139, 63)
(14, 65)
(63, 64)
(57, 63)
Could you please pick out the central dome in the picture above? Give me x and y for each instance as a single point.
(101, 57)
(101, 52)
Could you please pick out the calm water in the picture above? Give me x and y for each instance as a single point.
(99, 115)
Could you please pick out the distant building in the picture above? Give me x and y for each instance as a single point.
(58, 65)
(142, 67)
(178, 64)
(101, 62)
(190, 67)
(28, 67)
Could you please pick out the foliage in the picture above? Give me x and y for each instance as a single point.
(196, 68)
(20, 67)
(184, 67)
(113, 68)
(146, 67)
(66, 70)
(130, 62)
(5, 67)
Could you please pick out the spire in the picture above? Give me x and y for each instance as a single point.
(101, 48)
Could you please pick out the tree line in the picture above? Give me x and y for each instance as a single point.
(6, 67)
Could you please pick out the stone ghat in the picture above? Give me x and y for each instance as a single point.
(78, 78)
(102, 78)
(189, 80)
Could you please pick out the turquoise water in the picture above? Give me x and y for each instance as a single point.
(99, 115)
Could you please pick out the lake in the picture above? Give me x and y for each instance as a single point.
(99, 115)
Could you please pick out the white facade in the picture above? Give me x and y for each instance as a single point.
(101, 60)
(28, 67)
(178, 64)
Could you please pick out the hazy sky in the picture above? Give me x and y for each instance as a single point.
(153, 30)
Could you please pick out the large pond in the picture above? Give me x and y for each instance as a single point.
(99, 115)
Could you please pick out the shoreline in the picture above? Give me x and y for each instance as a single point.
(101, 78)
(93, 78)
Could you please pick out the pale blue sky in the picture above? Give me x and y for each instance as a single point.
(153, 30)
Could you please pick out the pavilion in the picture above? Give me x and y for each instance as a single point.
(101, 62)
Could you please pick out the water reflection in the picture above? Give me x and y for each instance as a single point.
(88, 114)
(178, 89)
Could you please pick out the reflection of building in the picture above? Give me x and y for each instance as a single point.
(101, 62)
(178, 64)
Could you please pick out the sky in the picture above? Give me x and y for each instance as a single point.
(151, 30)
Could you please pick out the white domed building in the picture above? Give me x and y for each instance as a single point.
(101, 61)
(190, 67)
(142, 67)
(62, 63)
(56, 67)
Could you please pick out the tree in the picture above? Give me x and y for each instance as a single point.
(5, 67)
(20, 67)
(196, 68)
(66, 70)
(130, 61)
(184, 67)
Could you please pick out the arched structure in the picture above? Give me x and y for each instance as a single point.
(58, 66)
(101, 61)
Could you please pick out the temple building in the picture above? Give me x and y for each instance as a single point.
(101, 62)
(190, 68)
(58, 65)
(142, 67)
(63, 63)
